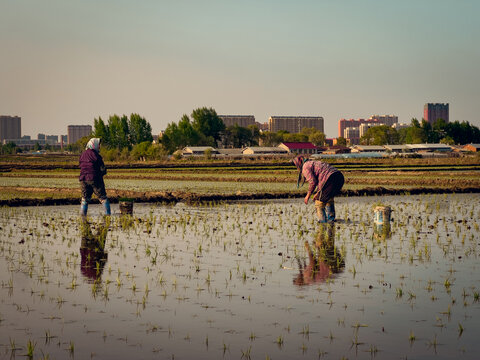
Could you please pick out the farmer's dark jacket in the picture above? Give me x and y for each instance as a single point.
(92, 167)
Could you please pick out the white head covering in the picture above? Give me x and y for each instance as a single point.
(94, 144)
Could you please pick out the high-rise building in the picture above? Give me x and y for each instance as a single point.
(388, 120)
(345, 123)
(362, 125)
(76, 132)
(433, 112)
(352, 134)
(294, 124)
(51, 139)
(363, 128)
(10, 127)
(240, 120)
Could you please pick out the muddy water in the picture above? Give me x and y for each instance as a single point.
(243, 280)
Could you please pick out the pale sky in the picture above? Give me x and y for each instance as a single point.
(65, 62)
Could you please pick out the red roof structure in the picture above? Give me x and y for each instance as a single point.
(299, 147)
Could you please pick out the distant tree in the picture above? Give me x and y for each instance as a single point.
(255, 134)
(172, 138)
(188, 134)
(238, 137)
(100, 130)
(207, 153)
(139, 130)
(9, 149)
(462, 132)
(269, 138)
(122, 132)
(317, 138)
(207, 122)
(415, 134)
(447, 140)
(119, 132)
(296, 137)
(380, 135)
(79, 146)
(341, 141)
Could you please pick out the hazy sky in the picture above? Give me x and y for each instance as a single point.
(67, 62)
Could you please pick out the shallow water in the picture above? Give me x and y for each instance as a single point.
(238, 281)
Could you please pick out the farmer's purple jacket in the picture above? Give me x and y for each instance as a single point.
(91, 165)
(317, 173)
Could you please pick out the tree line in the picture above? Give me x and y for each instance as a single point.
(423, 132)
(131, 137)
(206, 128)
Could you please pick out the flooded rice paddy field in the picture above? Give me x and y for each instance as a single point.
(251, 280)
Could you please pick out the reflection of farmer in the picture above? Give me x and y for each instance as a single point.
(92, 250)
(323, 261)
(92, 170)
(327, 181)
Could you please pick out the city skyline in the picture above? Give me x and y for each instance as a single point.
(70, 62)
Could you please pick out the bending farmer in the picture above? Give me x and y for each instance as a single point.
(92, 170)
(327, 181)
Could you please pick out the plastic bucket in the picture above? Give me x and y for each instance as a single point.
(126, 207)
(382, 214)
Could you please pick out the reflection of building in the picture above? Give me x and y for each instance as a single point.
(240, 120)
(433, 112)
(294, 124)
(76, 132)
(10, 127)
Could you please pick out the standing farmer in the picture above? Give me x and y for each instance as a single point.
(92, 170)
(327, 181)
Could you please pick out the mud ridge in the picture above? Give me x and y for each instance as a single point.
(192, 198)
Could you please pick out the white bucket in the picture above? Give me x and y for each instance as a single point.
(382, 214)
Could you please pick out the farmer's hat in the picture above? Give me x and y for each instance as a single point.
(94, 144)
(299, 161)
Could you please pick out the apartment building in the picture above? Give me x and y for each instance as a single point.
(295, 124)
(433, 112)
(10, 127)
(76, 132)
(240, 120)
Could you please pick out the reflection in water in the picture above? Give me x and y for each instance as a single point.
(382, 231)
(324, 259)
(92, 250)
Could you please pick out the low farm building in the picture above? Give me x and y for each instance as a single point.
(429, 147)
(399, 149)
(336, 149)
(264, 150)
(472, 147)
(198, 150)
(367, 148)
